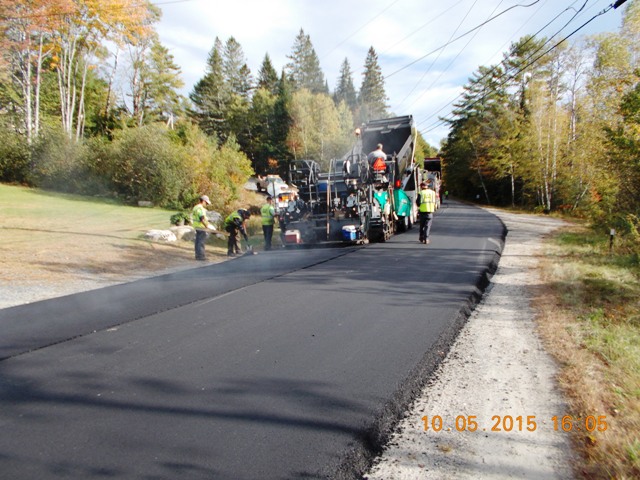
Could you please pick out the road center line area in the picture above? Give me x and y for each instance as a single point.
(288, 364)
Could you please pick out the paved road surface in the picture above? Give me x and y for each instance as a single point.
(288, 364)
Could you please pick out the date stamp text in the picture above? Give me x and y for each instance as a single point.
(509, 423)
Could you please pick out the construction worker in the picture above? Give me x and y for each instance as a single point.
(377, 162)
(352, 205)
(234, 224)
(426, 201)
(268, 214)
(200, 222)
(376, 154)
(295, 207)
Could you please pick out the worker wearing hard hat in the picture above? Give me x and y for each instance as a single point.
(234, 224)
(426, 201)
(200, 222)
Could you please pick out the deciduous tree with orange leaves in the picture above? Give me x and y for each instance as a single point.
(74, 35)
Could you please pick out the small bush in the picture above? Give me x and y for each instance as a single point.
(14, 158)
(180, 218)
(147, 165)
(58, 163)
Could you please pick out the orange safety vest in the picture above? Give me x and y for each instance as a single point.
(379, 164)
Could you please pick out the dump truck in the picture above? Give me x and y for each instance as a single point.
(398, 138)
(353, 202)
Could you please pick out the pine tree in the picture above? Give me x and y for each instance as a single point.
(282, 121)
(210, 95)
(304, 68)
(239, 82)
(235, 70)
(373, 98)
(163, 81)
(267, 76)
(345, 89)
(262, 119)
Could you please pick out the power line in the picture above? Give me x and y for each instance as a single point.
(530, 39)
(382, 52)
(447, 67)
(441, 52)
(423, 26)
(610, 7)
(359, 29)
(459, 37)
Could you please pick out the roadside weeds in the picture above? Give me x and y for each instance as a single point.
(587, 308)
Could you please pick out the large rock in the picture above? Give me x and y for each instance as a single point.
(185, 232)
(160, 236)
(215, 219)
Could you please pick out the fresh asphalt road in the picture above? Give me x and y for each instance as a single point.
(288, 364)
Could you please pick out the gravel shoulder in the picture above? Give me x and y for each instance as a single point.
(496, 368)
(70, 264)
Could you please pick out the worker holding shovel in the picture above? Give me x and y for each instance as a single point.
(234, 225)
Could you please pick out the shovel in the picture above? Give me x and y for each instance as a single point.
(250, 250)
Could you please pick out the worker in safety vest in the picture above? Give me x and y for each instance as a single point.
(234, 224)
(426, 201)
(268, 214)
(200, 222)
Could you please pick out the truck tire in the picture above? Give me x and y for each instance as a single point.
(403, 224)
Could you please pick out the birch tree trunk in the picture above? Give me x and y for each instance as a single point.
(112, 77)
(36, 123)
(81, 107)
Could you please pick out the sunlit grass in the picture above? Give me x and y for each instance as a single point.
(38, 209)
(589, 315)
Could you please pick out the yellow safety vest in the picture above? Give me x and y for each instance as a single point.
(197, 213)
(427, 201)
(267, 212)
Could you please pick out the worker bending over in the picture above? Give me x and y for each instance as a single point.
(426, 201)
(234, 225)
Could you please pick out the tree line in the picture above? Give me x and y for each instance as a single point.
(554, 128)
(90, 103)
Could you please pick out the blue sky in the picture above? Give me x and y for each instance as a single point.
(420, 78)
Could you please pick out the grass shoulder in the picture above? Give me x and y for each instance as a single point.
(588, 307)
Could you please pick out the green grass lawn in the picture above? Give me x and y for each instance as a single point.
(54, 237)
(590, 318)
(38, 209)
(49, 239)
